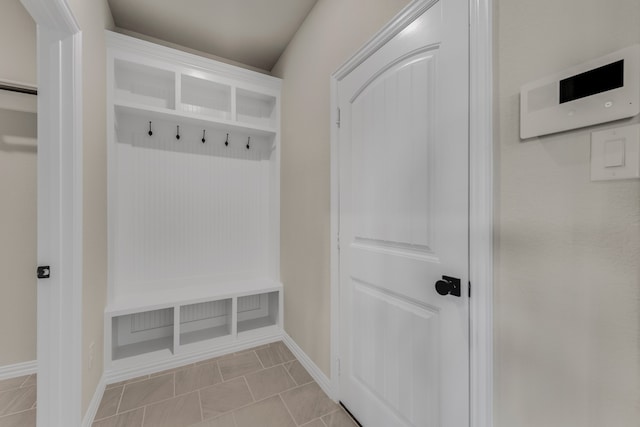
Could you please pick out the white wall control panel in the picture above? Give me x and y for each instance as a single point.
(615, 153)
(598, 91)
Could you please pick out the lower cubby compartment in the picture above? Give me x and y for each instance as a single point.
(157, 329)
(142, 333)
(205, 321)
(258, 311)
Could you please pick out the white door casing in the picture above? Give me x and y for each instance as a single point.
(59, 169)
(403, 187)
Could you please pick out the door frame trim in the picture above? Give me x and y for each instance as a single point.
(59, 324)
(480, 199)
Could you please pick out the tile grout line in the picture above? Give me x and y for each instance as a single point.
(259, 359)
(23, 382)
(220, 371)
(144, 414)
(249, 388)
(200, 402)
(291, 376)
(116, 415)
(244, 406)
(15, 413)
(21, 385)
(315, 419)
(128, 382)
(119, 400)
(162, 400)
(154, 402)
(287, 408)
(7, 407)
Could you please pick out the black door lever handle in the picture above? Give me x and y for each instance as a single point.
(448, 286)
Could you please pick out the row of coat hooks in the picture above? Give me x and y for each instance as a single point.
(204, 136)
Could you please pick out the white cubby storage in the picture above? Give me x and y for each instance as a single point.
(256, 108)
(132, 335)
(147, 86)
(204, 97)
(205, 321)
(193, 215)
(257, 311)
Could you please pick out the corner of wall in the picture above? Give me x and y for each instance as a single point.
(93, 18)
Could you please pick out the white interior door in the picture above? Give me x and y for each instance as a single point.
(403, 158)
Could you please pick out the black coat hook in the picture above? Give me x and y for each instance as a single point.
(178, 132)
(248, 142)
(226, 143)
(203, 139)
(150, 131)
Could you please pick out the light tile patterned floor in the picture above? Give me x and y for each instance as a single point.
(18, 402)
(262, 387)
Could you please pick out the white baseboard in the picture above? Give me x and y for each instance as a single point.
(117, 373)
(316, 373)
(18, 370)
(94, 404)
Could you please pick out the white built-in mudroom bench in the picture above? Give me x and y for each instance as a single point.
(193, 207)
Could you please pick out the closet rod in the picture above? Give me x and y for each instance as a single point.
(16, 87)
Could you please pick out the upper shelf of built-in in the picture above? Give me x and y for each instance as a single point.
(153, 81)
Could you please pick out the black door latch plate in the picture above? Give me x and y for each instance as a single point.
(44, 271)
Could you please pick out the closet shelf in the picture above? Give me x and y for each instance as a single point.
(184, 118)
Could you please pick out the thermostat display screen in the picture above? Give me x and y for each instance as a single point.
(594, 81)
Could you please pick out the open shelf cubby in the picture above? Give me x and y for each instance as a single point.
(256, 108)
(206, 98)
(133, 337)
(257, 311)
(205, 321)
(144, 85)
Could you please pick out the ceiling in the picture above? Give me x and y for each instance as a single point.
(252, 32)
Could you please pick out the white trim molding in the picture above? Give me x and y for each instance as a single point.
(481, 212)
(334, 259)
(60, 172)
(18, 369)
(480, 203)
(313, 369)
(407, 15)
(94, 404)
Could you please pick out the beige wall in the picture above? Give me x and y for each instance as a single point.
(333, 31)
(17, 43)
(93, 17)
(17, 190)
(17, 236)
(567, 305)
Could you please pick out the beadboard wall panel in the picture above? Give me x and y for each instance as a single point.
(204, 310)
(187, 209)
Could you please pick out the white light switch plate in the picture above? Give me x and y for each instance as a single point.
(615, 153)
